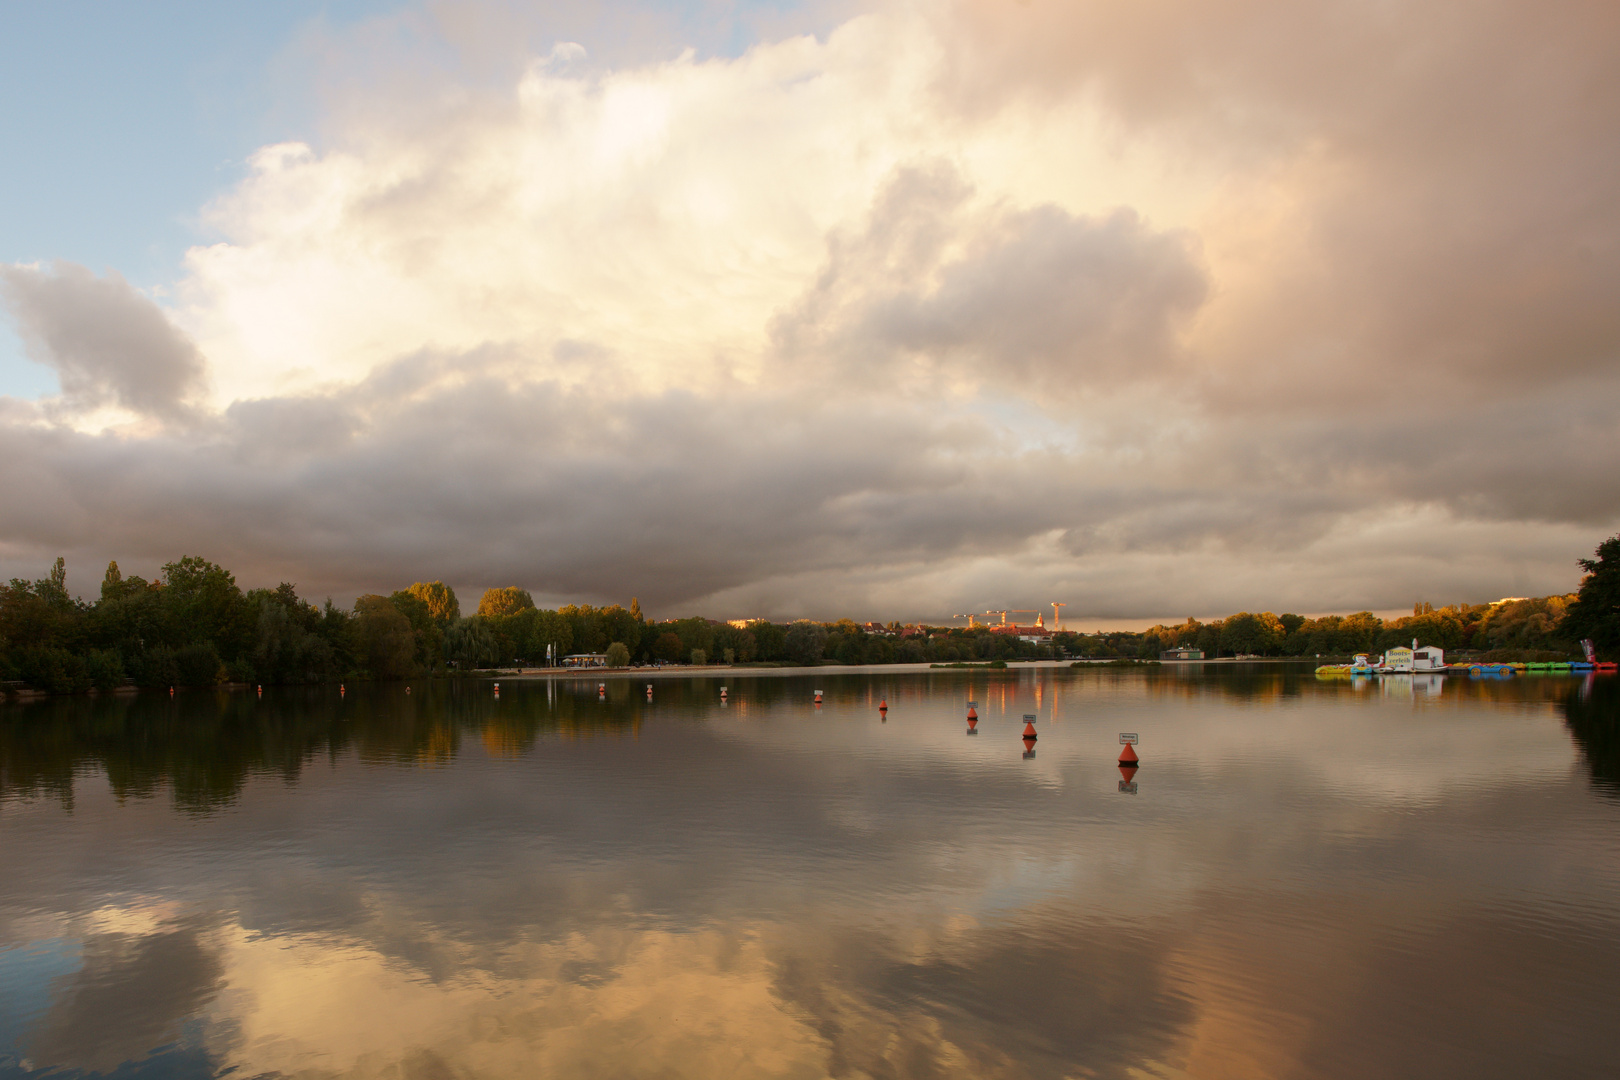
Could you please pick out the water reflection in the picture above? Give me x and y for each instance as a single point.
(1319, 881)
(1592, 711)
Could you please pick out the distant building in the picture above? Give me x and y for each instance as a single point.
(584, 660)
(1182, 654)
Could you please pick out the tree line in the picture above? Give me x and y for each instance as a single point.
(1541, 627)
(194, 626)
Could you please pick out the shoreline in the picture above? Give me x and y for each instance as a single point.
(709, 670)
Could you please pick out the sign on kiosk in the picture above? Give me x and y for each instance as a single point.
(1127, 738)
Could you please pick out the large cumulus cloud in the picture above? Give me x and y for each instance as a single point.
(988, 305)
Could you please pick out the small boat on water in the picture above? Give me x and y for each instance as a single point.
(1359, 665)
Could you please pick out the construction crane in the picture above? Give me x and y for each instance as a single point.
(969, 618)
(1057, 616)
(1017, 611)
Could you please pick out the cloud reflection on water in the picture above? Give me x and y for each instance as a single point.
(1311, 882)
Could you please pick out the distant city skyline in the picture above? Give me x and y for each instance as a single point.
(811, 310)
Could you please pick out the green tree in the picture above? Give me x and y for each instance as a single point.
(1595, 614)
(805, 642)
(384, 638)
(53, 590)
(1259, 635)
(618, 655)
(619, 624)
(587, 626)
(550, 628)
(287, 648)
(770, 640)
(426, 628)
(440, 599)
(739, 642)
(201, 603)
(470, 644)
(112, 582)
(667, 646)
(504, 601)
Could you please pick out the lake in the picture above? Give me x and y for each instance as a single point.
(1306, 878)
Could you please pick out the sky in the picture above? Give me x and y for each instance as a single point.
(888, 310)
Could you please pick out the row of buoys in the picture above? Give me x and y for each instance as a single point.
(1128, 761)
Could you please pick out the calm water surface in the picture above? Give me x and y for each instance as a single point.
(1308, 879)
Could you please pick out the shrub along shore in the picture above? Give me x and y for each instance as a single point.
(194, 626)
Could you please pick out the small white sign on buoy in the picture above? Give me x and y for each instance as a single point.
(973, 704)
(1029, 718)
(1127, 738)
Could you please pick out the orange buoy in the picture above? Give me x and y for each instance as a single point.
(1127, 757)
(171, 691)
(883, 706)
(818, 697)
(1029, 726)
(973, 713)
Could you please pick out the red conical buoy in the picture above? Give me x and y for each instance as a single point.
(1127, 756)
(1029, 726)
(973, 714)
(883, 706)
(973, 725)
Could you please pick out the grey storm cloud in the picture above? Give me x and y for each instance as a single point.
(109, 344)
(585, 494)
